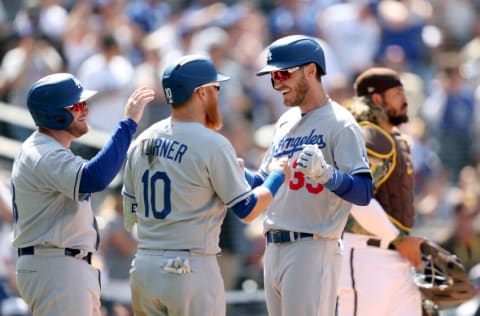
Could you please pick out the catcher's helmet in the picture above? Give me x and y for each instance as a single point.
(48, 97)
(187, 73)
(294, 50)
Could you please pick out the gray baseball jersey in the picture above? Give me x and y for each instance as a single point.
(48, 208)
(182, 176)
(305, 205)
(50, 214)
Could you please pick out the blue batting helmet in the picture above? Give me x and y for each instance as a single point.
(48, 97)
(187, 73)
(291, 51)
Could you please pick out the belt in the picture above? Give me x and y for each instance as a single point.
(283, 236)
(28, 251)
(373, 242)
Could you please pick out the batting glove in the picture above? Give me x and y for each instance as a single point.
(313, 165)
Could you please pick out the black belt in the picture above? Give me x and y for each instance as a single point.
(68, 252)
(283, 236)
(373, 242)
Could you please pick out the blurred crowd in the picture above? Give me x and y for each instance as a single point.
(114, 46)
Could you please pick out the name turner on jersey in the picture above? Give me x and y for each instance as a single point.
(162, 147)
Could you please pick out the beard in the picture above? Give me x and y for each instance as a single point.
(396, 120)
(298, 94)
(213, 117)
(76, 129)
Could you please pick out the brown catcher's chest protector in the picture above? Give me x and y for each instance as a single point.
(394, 189)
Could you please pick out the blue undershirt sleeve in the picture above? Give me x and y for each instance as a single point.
(272, 183)
(357, 188)
(101, 169)
(253, 178)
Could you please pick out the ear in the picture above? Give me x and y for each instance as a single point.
(376, 98)
(201, 94)
(311, 69)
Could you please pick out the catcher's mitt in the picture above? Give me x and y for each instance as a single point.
(443, 280)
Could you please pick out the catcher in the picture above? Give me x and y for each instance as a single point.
(377, 275)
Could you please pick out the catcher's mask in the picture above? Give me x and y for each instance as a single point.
(443, 280)
(184, 75)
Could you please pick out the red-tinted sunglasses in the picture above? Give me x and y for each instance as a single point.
(77, 107)
(283, 75)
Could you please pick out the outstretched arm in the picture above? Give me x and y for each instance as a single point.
(101, 169)
(251, 207)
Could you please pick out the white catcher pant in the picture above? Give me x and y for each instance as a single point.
(376, 281)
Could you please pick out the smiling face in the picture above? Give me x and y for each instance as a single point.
(292, 84)
(79, 126)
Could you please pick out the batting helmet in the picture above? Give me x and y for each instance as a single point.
(294, 50)
(49, 96)
(187, 73)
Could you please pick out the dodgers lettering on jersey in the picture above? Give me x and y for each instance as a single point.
(162, 147)
(290, 145)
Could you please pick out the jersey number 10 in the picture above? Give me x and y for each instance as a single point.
(149, 186)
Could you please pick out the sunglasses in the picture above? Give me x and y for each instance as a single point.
(216, 85)
(283, 75)
(77, 107)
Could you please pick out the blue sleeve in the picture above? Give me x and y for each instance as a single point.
(253, 178)
(357, 189)
(101, 169)
(272, 183)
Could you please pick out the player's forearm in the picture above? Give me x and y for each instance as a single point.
(261, 197)
(264, 198)
(357, 189)
(101, 169)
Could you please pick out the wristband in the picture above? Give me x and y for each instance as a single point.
(274, 181)
(335, 180)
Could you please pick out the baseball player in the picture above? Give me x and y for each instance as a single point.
(179, 178)
(304, 223)
(377, 276)
(54, 227)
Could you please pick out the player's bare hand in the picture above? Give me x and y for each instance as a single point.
(313, 165)
(136, 103)
(280, 164)
(409, 248)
